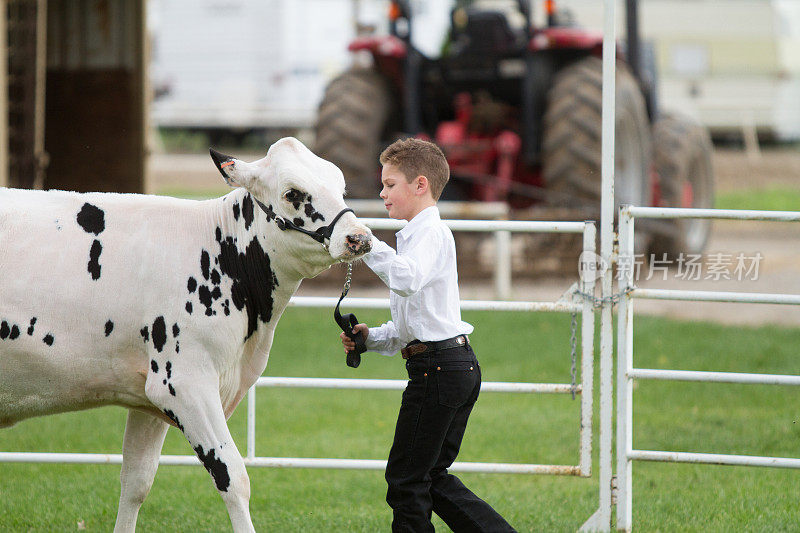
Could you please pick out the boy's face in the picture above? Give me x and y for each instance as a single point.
(401, 198)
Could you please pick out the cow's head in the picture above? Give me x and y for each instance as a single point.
(302, 195)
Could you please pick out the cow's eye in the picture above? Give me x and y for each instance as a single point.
(293, 196)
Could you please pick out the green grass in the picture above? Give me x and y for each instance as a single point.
(719, 418)
(770, 199)
(193, 193)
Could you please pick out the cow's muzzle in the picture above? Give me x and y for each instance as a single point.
(359, 243)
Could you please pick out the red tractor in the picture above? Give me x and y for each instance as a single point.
(517, 111)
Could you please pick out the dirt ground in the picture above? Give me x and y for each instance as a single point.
(741, 256)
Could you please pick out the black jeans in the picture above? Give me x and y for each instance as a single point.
(442, 389)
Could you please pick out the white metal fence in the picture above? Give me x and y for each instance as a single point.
(626, 372)
(566, 305)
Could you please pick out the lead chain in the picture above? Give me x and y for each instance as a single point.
(347, 279)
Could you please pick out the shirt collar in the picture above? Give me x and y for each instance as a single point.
(428, 214)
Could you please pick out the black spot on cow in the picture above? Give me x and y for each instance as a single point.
(215, 279)
(236, 211)
(218, 233)
(48, 339)
(189, 307)
(298, 222)
(159, 333)
(145, 333)
(175, 330)
(312, 213)
(177, 346)
(94, 255)
(191, 285)
(171, 389)
(5, 331)
(215, 467)
(174, 418)
(205, 298)
(205, 264)
(226, 307)
(92, 219)
(154, 365)
(247, 211)
(168, 368)
(253, 280)
(30, 327)
(216, 294)
(14, 332)
(109, 327)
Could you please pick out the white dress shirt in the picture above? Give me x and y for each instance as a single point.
(423, 283)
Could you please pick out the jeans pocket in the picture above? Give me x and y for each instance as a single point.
(455, 381)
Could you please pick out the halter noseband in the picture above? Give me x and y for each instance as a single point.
(320, 235)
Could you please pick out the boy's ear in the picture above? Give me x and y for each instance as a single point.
(422, 184)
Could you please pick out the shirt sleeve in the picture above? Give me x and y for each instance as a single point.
(384, 339)
(406, 273)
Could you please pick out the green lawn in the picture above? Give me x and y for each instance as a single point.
(757, 420)
(769, 199)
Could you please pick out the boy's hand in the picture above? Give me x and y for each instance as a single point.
(349, 344)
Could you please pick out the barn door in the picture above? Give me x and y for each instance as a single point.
(26, 22)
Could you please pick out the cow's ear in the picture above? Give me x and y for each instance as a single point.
(235, 171)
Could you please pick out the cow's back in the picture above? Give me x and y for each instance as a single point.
(81, 275)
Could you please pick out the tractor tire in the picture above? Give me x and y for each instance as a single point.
(683, 152)
(571, 141)
(350, 128)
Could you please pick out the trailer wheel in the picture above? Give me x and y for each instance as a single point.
(350, 125)
(571, 143)
(686, 178)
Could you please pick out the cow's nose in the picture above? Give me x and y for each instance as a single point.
(359, 243)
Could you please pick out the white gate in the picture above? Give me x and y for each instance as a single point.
(627, 373)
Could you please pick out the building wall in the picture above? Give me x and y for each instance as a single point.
(95, 106)
(3, 98)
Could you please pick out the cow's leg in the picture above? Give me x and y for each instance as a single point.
(197, 410)
(144, 437)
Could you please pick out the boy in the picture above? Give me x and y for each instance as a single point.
(444, 375)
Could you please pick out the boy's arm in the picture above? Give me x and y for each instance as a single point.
(405, 274)
(384, 339)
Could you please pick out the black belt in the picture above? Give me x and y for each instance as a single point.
(416, 347)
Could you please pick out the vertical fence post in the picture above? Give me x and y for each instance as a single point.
(626, 267)
(502, 270)
(601, 519)
(587, 281)
(251, 422)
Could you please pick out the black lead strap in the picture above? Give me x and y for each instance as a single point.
(347, 322)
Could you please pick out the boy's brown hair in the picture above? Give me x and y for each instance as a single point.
(415, 157)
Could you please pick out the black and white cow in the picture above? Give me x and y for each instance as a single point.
(167, 307)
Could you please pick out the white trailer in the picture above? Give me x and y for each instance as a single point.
(245, 64)
(732, 64)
